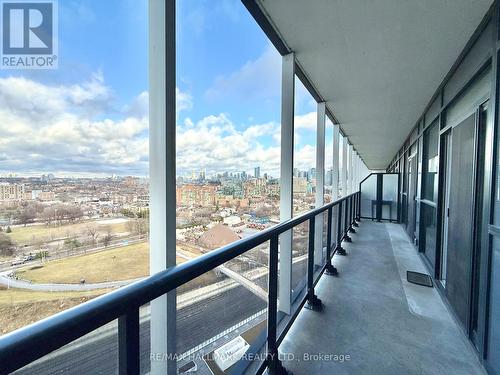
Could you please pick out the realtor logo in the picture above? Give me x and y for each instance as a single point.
(29, 34)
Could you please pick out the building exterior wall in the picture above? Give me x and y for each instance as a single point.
(197, 195)
(12, 192)
(429, 164)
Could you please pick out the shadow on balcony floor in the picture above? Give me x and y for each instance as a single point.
(373, 315)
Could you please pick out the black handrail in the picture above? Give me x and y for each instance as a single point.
(27, 344)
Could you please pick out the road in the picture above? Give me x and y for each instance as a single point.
(196, 323)
(22, 284)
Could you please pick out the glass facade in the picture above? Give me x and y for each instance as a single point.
(430, 164)
(428, 219)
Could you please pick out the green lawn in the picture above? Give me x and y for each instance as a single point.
(19, 296)
(19, 308)
(122, 263)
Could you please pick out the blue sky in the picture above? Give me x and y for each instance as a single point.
(89, 117)
(110, 36)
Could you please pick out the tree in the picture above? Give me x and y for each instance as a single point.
(127, 212)
(74, 213)
(8, 230)
(25, 215)
(130, 225)
(7, 246)
(107, 237)
(72, 243)
(138, 227)
(93, 232)
(143, 213)
(142, 226)
(48, 215)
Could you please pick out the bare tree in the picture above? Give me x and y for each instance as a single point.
(130, 225)
(92, 232)
(108, 237)
(74, 213)
(138, 226)
(25, 215)
(48, 215)
(142, 226)
(7, 246)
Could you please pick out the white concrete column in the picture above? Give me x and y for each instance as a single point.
(350, 171)
(335, 163)
(162, 176)
(345, 190)
(353, 186)
(320, 183)
(356, 172)
(286, 179)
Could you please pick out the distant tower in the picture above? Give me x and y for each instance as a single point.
(257, 172)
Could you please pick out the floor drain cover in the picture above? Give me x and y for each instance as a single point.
(419, 278)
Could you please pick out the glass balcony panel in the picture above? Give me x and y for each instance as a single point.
(94, 353)
(390, 196)
(223, 310)
(369, 197)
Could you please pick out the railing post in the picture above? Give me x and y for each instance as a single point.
(313, 302)
(128, 343)
(347, 224)
(356, 209)
(359, 204)
(273, 362)
(329, 268)
(340, 250)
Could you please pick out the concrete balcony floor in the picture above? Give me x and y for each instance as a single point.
(372, 314)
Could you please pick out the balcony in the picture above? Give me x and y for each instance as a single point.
(360, 315)
(376, 319)
(409, 92)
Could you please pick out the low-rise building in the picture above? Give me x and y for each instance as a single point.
(11, 192)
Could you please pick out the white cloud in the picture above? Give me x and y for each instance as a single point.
(140, 105)
(307, 121)
(184, 101)
(258, 131)
(47, 128)
(32, 100)
(53, 128)
(260, 78)
(214, 144)
(305, 157)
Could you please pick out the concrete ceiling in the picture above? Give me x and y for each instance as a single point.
(376, 62)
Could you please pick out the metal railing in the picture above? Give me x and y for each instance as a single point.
(25, 345)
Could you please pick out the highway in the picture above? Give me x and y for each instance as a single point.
(196, 323)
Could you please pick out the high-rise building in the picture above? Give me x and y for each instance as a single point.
(329, 177)
(256, 173)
